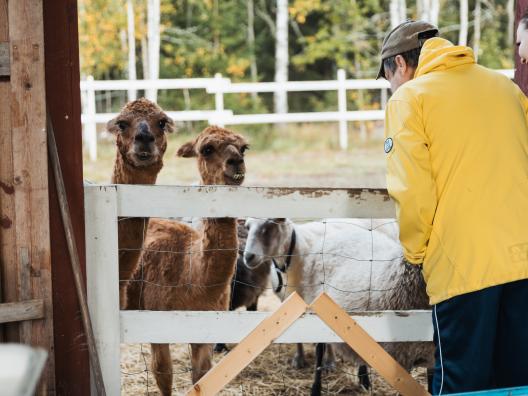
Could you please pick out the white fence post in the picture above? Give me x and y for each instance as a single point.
(384, 95)
(219, 100)
(342, 108)
(102, 276)
(90, 131)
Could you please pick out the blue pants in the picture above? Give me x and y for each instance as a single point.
(481, 340)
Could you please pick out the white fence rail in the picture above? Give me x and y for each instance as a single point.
(103, 206)
(219, 86)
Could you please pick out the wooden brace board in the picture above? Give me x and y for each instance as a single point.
(289, 311)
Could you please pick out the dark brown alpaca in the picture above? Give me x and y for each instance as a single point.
(140, 130)
(186, 269)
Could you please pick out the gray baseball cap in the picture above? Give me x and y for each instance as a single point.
(403, 38)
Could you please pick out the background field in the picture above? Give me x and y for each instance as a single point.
(298, 155)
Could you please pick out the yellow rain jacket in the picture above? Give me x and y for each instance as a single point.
(457, 158)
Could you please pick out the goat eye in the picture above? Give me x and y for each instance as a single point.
(207, 150)
(122, 125)
(162, 123)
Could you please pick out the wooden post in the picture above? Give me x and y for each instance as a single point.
(64, 106)
(90, 131)
(26, 260)
(102, 270)
(521, 71)
(342, 107)
(219, 100)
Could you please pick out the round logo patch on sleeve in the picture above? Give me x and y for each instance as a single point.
(388, 145)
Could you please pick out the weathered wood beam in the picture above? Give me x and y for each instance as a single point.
(29, 181)
(19, 311)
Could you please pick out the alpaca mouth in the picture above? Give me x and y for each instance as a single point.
(235, 179)
(144, 156)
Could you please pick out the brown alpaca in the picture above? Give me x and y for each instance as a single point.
(186, 269)
(140, 130)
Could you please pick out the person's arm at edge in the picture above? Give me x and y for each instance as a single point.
(409, 177)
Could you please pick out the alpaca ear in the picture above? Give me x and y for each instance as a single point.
(111, 126)
(187, 150)
(170, 126)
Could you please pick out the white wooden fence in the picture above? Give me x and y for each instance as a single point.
(219, 86)
(103, 205)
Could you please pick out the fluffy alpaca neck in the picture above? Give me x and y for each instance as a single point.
(125, 173)
(220, 251)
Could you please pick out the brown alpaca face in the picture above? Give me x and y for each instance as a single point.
(220, 154)
(140, 131)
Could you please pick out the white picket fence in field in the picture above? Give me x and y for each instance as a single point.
(219, 86)
(105, 203)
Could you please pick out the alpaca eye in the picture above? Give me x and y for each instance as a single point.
(162, 123)
(122, 125)
(207, 150)
(244, 149)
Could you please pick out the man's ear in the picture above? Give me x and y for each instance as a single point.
(187, 150)
(400, 63)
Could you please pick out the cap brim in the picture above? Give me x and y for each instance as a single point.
(381, 72)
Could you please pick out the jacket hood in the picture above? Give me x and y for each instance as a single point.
(439, 54)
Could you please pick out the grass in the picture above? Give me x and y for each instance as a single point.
(297, 156)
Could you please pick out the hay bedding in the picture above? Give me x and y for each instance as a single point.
(269, 374)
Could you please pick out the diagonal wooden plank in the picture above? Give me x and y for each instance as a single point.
(365, 346)
(250, 347)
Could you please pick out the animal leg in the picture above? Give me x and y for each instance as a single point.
(319, 353)
(299, 361)
(430, 375)
(162, 367)
(201, 360)
(219, 348)
(363, 376)
(252, 307)
(330, 361)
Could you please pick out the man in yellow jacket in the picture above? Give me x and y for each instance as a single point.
(457, 162)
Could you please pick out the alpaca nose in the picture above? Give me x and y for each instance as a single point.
(143, 137)
(248, 257)
(235, 161)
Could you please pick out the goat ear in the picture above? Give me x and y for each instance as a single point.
(111, 126)
(187, 150)
(170, 126)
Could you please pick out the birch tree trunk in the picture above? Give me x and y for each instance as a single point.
(132, 93)
(153, 26)
(463, 32)
(403, 10)
(398, 12)
(144, 58)
(434, 11)
(476, 33)
(251, 44)
(394, 13)
(281, 56)
(510, 7)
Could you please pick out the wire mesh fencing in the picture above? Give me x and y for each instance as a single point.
(188, 264)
